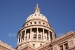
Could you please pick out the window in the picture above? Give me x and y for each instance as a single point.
(30, 22)
(33, 45)
(40, 44)
(27, 24)
(43, 23)
(40, 30)
(35, 22)
(28, 33)
(66, 46)
(61, 47)
(46, 33)
(34, 30)
(34, 36)
(39, 36)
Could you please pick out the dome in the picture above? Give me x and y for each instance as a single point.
(37, 15)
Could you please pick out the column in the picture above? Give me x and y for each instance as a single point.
(21, 37)
(30, 33)
(49, 35)
(37, 33)
(18, 39)
(63, 47)
(52, 36)
(43, 33)
(25, 36)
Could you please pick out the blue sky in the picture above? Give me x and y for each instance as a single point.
(13, 14)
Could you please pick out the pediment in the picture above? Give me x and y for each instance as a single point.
(30, 47)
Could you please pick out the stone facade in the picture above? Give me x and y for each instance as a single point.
(37, 34)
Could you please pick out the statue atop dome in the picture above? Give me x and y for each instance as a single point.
(36, 5)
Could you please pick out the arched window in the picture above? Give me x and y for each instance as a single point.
(39, 37)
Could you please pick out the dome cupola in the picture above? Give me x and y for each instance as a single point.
(37, 15)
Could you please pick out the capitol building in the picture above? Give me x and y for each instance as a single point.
(37, 34)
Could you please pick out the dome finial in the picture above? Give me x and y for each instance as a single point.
(36, 5)
(37, 9)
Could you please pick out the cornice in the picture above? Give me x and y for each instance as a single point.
(73, 48)
(63, 38)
